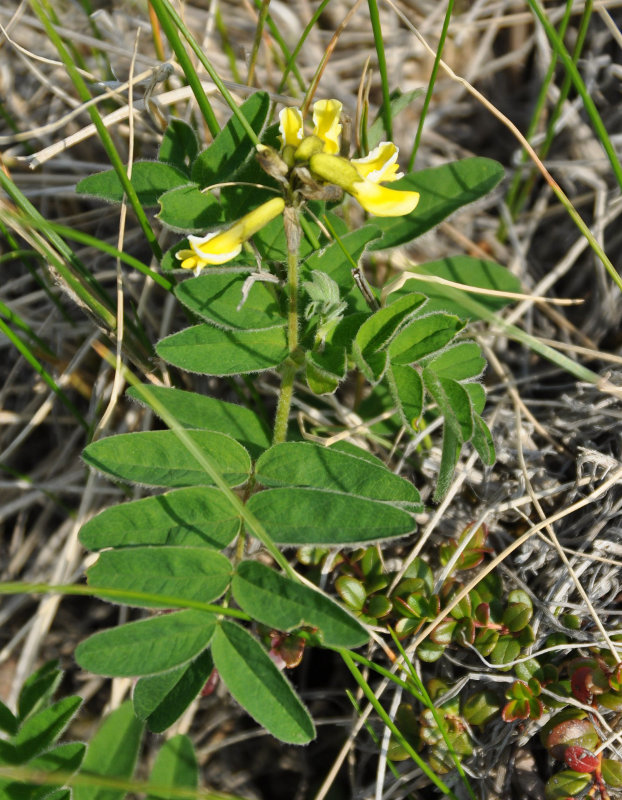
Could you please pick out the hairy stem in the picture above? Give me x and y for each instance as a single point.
(292, 235)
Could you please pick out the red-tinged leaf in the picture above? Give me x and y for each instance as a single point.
(515, 709)
(581, 760)
(570, 732)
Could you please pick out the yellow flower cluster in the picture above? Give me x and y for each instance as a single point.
(359, 177)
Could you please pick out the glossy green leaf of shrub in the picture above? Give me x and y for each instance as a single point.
(211, 351)
(259, 687)
(566, 784)
(111, 753)
(612, 772)
(158, 458)
(149, 646)
(175, 767)
(479, 708)
(284, 604)
(443, 190)
(150, 179)
(161, 699)
(189, 517)
(187, 573)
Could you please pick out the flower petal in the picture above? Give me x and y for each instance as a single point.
(291, 127)
(326, 115)
(334, 169)
(380, 164)
(218, 247)
(384, 202)
(189, 259)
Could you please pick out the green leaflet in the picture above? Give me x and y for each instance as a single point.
(158, 458)
(149, 178)
(179, 145)
(218, 299)
(407, 390)
(270, 240)
(461, 361)
(112, 753)
(189, 573)
(175, 766)
(423, 336)
(443, 190)
(338, 258)
(39, 731)
(309, 464)
(211, 351)
(466, 270)
(161, 699)
(188, 210)
(259, 687)
(453, 402)
(194, 410)
(294, 516)
(371, 344)
(281, 603)
(231, 148)
(9, 723)
(189, 517)
(38, 688)
(149, 646)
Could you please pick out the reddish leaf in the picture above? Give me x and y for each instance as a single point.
(581, 760)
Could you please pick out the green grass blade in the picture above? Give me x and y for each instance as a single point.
(261, 22)
(382, 66)
(521, 188)
(23, 326)
(104, 247)
(164, 8)
(440, 722)
(431, 84)
(577, 80)
(38, 367)
(104, 135)
(367, 691)
(291, 61)
(170, 28)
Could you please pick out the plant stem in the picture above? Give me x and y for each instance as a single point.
(286, 392)
(291, 222)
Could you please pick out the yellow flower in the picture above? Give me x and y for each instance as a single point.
(291, 127)
(326, 132)
(218, 247)
(361, 177)
(326, 114)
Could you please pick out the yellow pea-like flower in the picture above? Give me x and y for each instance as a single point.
(218, 247)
